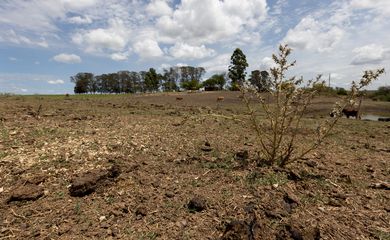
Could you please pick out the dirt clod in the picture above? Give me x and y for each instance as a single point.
(28, 192)
(197, 204)
(37, 179)
(381, 185)
(88, 182)
(242, 155)
(141, 212)
(169, 194)
(311, 163)
(291, 198)
(236, 230)
(206, 148)
(242, 230)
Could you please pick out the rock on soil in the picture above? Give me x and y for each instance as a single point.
(88, 182)
(27, 192)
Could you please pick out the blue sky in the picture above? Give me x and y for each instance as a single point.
(43, 43)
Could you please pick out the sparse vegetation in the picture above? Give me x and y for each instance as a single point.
(163, 166)
(286, 109)
(382, 94)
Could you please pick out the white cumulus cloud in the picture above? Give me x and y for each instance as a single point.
(67, 58)
(313, 35)
(371, 53)
(78, 4)
(80, 20)
(208, 21)
(183, 50)
(267, 63)
(158, 8)
(12, 37)
(148, 49)
(99, 40)
(379, 6)
(219, 63)
(119, 56)
(54, 82)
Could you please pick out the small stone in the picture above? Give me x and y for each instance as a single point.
(104, 225)
(184, 223)
(102, 218)
(169, 194)
(290, 198)
(311, 163)
(181, 224)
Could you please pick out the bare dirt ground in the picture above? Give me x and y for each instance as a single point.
(154, 167)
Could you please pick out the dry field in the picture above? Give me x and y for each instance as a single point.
(154, 167)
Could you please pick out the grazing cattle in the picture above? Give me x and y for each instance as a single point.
(220, 99)
(179, 98)
(348, 113)
(351, 113)
(384, 119)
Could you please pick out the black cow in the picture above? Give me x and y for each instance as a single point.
(348, 113)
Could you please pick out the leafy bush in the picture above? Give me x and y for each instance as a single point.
(341, 91)
(382, 94)
(215, 82)
(323, 89)
(191, 85)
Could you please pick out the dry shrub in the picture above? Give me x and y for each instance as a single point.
(279, 132)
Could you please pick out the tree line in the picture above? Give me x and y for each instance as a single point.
(172, 79)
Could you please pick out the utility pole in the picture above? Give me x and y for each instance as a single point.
(329, 81)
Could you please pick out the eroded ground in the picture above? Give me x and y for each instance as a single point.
(170, 151)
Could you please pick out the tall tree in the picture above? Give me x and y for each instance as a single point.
(152, 80)
(170, 79)
(82, 82)
(125, 82)
(141, 83)
(261, 80)
(190, 77)
(237, 67)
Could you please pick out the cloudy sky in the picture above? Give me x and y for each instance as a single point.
(44, 42)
